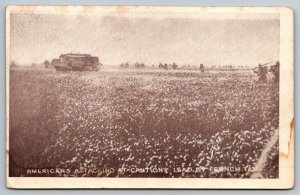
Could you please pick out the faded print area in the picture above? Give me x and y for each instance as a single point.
(117, 96)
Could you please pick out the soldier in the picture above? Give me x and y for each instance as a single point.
(142, 65)
(201, 67)
(166, 66)
(126, 65)
(174, 66)
(46, 64)
(160, 65)
(122, 65)
(261, 72)
(137, 65)
(275, 70)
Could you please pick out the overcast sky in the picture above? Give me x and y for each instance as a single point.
(37, 37)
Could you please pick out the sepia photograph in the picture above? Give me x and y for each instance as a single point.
(149, 97)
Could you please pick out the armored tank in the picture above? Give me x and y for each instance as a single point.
(76, 62)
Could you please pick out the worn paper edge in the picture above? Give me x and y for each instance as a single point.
(286, 111)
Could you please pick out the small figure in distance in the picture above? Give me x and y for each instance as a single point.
(47, 64)
(174, 66)
(201, 67)
(275, 70)
(126, 65)
(261, 72)
(160, 66)
(166, 66)
(137, 65)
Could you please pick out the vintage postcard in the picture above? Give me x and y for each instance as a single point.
(149, 97)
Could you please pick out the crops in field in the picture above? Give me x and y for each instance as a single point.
(141, 119)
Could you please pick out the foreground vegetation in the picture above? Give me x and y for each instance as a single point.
(141, 119)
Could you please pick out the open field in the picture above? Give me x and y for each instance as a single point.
(137, 119)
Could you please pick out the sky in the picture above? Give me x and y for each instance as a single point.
(151, 40)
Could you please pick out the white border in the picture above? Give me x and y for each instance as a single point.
(286, 127)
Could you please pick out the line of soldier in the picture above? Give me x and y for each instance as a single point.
(262, 71)
(136, 65)
(175, 66)
(160, 66)
(166, 66)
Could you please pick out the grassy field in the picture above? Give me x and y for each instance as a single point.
(135, 119)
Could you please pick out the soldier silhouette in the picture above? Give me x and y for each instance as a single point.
(126, 65)
(47, 64)
(261, 72)
(275, 70)
(174, 66)
(160, 65)
(201, 67)
(166, 66)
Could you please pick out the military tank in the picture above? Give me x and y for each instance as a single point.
(76, 62)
